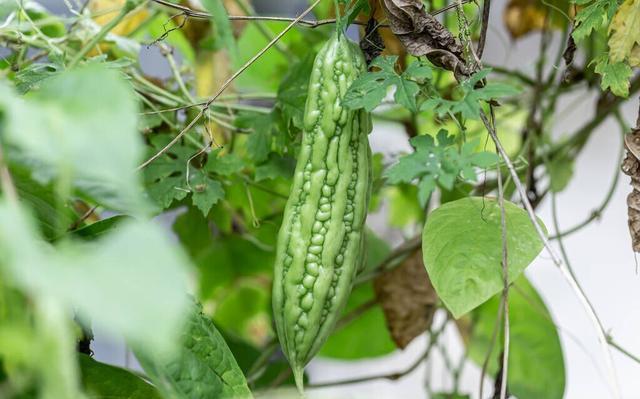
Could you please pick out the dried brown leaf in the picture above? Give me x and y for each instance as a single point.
(423, 35)
(407, 298)
(371, 43)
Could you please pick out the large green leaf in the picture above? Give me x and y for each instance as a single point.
(69, 132)
(102, 381)
(462, 250)
(347, 342)
(203, 368)
(130, 282)
(536, 364)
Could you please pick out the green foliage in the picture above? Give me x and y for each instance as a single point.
(438, 164)
(82, 276)
(593, 15)
(462, 250)
(70, 133)
(203, 367)
(536, 364)
(370, 89)
(472, 93)
(615, 76)
(102, 381)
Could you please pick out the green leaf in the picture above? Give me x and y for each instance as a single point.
(442, 164)
(462, 250)
(166, 177)
(206, 192)
(32, 76)
(615, 76)
(593, 15)
(102, 381)
(149, 276)
(203, 368)
(221, 24)
(99, 228)
(560, 173)
(225, 165)
(259, 142)
(369, 90)
(292, 92)
(74, 134)
(469, 105)
(404, 207)
(347, 343)
(276, 166)
(536, 364)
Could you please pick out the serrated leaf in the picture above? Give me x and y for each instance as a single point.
(614, 76)
(592, 16)
(624, 30)
(370, 89)
(203, 368)
(103, 381)
(536, 364)
(165, 178)
(462, 247)
(206, 192)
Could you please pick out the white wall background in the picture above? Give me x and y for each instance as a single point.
(600, 254)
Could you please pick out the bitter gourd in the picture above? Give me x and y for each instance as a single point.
(321, 239)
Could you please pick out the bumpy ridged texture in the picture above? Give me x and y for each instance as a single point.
(321, 240)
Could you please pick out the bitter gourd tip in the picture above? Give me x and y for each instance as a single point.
(298, 376)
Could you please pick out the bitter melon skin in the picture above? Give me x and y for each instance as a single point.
(321, 239)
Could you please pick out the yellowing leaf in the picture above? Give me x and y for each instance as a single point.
(625, 31)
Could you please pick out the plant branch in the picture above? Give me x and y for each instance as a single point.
(505, 277)
(226, 84)
(390, 376)
(597, 213)
(570, 275)
(565, 269)
(622, 350)
(486, 8)
(392, 260)
(302, 22)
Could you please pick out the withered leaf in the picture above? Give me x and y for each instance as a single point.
(423, 35)
(371, 43)
(407, 298)
(631, 167)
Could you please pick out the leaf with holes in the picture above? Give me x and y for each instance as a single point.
(462, 248)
